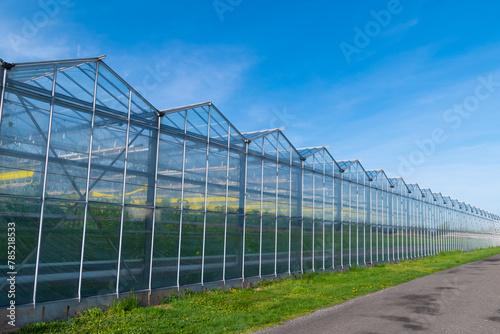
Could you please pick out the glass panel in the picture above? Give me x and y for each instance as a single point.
(60, 251)
(111, 92)
(136, 249)
(269, 199)
(23, 135)
(296, 234)
(34, 77)
(283, 243)
(169, 171)
(25, 214)
(141, 164)
(218, 128)
(337, 241)
(283, 190)
(139, 109)
(197, 122)
(271, 145)
(307, 245)
(191, 248)
(252, 246)
(328, 245)
(217, 162)
(166, 249)
(254, 178)
(100, 257)
(108, 158)
(355, 251)
(345, 244)
(214, 248)
(69, 153)
(76, 81)
(268, 242)
(236, 182)
(195, 175)
(318, 244)
(234, 246)
(174, 121)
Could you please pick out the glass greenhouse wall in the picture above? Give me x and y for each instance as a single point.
(110, 195)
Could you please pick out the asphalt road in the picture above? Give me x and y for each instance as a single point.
(464, 299)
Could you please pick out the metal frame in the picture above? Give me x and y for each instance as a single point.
(44, 187)
(2, 92)
(419, 223)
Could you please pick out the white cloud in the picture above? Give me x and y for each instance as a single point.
(180, 74)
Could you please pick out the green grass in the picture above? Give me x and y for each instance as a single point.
(242, 310)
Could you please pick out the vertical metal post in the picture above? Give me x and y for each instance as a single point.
(333, 214)
(425, 227)
(406, 228)
(434, 226)
(226, 204)
(377, 222)
(421, 226)
(323, 206)
(418, 208)
(366, 217)
(261, 206)
(302, 220)
(44, 187)
(244, 211)
(350, 219)
(391, 229)
(276, 208)
(87, 185)
(313, 212)
(206, 197)
(398, 223)
(154, 207)
(357, 214)
(4, 80)
(181, 215)
(415, 231)
(122, 216)
(370, 220)
(290, 215)
(382, 193)
(341, 219)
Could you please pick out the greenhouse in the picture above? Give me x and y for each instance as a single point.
(110, 195)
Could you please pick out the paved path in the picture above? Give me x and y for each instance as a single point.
(464, 299)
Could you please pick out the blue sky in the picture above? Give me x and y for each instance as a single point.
(417, 93)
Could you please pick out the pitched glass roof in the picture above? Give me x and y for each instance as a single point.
(306, 152)
(257, 134)
(74, 81)
(373, 173)
(394, 180)
(344, 164)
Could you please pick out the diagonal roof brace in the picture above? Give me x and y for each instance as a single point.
(347, 163)
(373, 173)
(250, 136)
(310, 151)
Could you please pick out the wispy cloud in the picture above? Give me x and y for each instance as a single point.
(191, 73)
(400, 28)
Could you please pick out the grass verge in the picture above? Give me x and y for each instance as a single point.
(242, 310)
